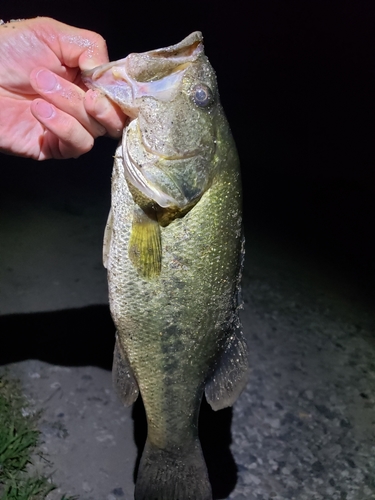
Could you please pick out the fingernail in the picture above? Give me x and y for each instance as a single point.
(44, 109)
(46, 80)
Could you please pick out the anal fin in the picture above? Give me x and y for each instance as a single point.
(231, 373)
(145, 244)
(122, 376)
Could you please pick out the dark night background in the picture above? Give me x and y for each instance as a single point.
(297, 81)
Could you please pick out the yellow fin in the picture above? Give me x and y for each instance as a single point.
(145, 245)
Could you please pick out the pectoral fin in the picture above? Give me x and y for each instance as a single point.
(231, 374)
(145, 244)
(123, 378)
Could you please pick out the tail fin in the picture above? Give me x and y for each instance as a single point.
(173, 475)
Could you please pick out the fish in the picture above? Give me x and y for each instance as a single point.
(174, 249)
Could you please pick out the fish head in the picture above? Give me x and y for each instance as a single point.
(171, 97)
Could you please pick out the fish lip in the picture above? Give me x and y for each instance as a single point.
(89, 76)
(193, 43)
(127, 84)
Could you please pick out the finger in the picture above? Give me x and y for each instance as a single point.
(66, 96)
(66, 137)
(105, 112)
(75, 47)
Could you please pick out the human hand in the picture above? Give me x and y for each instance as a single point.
(45, 109)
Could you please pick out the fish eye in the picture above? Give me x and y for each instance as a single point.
(202, 95)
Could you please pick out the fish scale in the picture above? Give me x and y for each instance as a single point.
(151, 315)
(178, 330)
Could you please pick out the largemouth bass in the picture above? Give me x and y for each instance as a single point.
(173, 248)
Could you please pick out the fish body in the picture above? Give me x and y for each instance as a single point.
(173, 249)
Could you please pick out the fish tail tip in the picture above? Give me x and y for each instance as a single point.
(172, 475)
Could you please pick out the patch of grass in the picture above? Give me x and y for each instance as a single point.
(18, 440)
(28, 488)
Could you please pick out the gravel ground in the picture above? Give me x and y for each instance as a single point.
(304, 428)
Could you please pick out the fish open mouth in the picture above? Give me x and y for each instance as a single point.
(156, 73)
